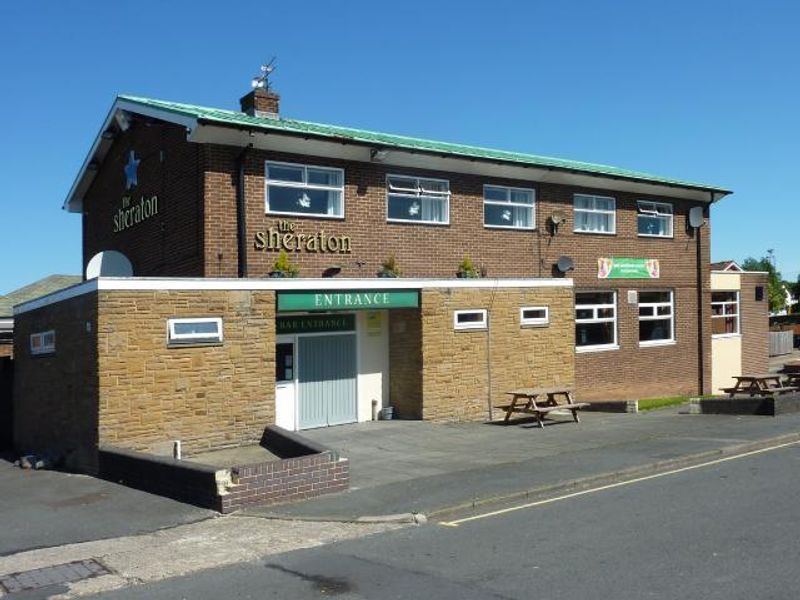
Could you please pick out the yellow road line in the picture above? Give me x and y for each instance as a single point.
(602, 488)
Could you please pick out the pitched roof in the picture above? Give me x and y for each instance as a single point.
(726, 265)
(42, 287)
(240, 119)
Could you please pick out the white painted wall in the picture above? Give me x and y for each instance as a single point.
(726, 351)
(373, 361)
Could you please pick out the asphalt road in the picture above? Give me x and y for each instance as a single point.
(726, 531)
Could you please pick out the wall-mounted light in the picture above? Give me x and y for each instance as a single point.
(378, 154)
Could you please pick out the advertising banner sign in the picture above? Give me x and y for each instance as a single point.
(628, 268)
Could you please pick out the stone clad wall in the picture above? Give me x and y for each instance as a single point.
(455, 377)
(209, 397)
(55, 395)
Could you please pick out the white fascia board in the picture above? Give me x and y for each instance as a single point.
(316, 284)
(100, 146)
(295, 144)
(6, 324)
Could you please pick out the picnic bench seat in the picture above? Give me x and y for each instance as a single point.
(530, 406)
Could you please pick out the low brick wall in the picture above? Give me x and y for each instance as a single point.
(286, 480)
(311, 470)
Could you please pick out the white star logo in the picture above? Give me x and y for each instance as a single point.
(131, 179)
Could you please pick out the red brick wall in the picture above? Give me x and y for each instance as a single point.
(754, 324)
(171, 242)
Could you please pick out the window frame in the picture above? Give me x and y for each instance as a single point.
(44, 348)
(471, 325)
(509, 189)
(738, 314)
(193, 339)
(301, 185)
(419, 195)
(612, 212)
(656, 317)
(614, 345)
(534, 321)
(654, 213)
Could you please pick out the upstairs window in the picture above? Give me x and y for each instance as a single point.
(203, 330)
(43, 342)
(418, 200)
(595, 214)
(595, 320)
(724, 313)
(656, 325)
(304, 190)
(654, 219)
(507, 207)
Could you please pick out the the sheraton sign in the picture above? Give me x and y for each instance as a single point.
(284, 237)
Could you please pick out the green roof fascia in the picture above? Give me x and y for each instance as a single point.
(293, 126)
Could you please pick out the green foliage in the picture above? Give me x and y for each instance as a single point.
(283, 265)
(775, 291)
(467, 268)
(389, 267)
(656, 403)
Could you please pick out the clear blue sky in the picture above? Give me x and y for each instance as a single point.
(706, 91)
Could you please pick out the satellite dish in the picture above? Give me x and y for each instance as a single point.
(565, 263)
(696, 218)
(558, 217)
(109, 263)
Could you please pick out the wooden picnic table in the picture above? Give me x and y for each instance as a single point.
(761, 384)
(523, 400)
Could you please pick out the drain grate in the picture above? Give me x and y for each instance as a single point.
(58, 574)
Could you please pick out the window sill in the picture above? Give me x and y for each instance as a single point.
(656, 237)
(657, 344)
(583, 232)
(172, 345)
(590, 349)
(275, 213)
(412, 222)
(508, 227)
(723, 336)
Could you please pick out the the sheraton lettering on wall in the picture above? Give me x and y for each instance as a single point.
(284, 237)
(133, 213)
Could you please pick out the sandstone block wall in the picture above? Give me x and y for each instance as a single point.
(208, 397)
(463, 370)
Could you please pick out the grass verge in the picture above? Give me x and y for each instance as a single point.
(656, 403)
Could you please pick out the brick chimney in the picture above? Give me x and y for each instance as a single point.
(260, 103)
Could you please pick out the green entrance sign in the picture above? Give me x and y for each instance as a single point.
(347, 300)
(628, 268)
(314, 324)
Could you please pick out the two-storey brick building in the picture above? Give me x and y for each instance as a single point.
(590, 274)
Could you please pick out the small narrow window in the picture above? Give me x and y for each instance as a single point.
(469, 319)
(531, 316)
(654, 219)
(43, 342)
(204, 330)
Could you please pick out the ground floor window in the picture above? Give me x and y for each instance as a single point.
(469, 319)
(202, 330)
(595, 320)
(43, 342)
(656, 317)
(724, 313)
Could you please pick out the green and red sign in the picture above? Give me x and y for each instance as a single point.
(347, 300)
(628, 268)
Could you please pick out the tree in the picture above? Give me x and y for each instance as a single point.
(775, 290)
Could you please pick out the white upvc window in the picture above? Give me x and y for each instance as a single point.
(417, 200)
(656, 318)
(199, 330)
(654, 219)
(595, 321)
(724, 313)
(595, 214)
(508, 207)
(304, 190)
(470, 319)
(43, 342)
(534, 316)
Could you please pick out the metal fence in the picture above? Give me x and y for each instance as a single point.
(780, 342)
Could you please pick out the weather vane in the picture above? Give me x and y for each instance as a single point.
(261, 81)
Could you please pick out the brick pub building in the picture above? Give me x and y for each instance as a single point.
(591, 275)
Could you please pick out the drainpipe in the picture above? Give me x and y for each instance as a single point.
(241, 214)
(700, 310)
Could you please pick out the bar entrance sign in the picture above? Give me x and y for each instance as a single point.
(347, 300)
(314, 324)
(628, 268)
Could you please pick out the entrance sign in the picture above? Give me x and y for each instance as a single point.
(314, 324)
(347, 300)
(628, 268)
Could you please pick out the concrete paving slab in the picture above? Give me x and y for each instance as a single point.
(50, 508)
(405, 466)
